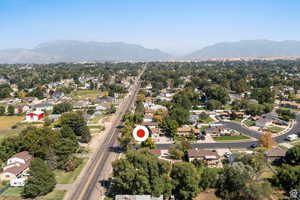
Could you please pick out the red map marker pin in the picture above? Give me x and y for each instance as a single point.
(140, 133)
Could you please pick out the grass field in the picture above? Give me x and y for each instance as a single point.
(249, 123)
(231, 137)
(275, 129)
(6, 122)
(63, 177)
(85, 94)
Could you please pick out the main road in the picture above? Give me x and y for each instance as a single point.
(84, 187)
(279, 139)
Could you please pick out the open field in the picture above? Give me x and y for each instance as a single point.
(6, 122)
(85, 94)
(231, 137)
(63, 177)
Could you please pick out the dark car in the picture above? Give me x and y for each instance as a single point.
(253, 145)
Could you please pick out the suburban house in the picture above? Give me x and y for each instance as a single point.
(275, 154)
(187, 131)
(16, 169)
(219, 130)
(137, 197)
(184, 131)
(21, 108)
(289, 104)
(210, 158)
(105, 99)
(43, 106)
(150, 124)
(148, 117)
(34, 116)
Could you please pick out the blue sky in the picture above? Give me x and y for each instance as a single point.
(175, 26)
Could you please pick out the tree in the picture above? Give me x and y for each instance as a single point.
(208, 178)
(263, 95)
(266, 140)
(38, 141)
(141, 173)
(62, 108)
(287, 177)
(214, 104)
(41, 180)
(180, 115)
(203, 116)
(5, 91)
(76, 122)
(185, 179)
(11, 110)
(86, 135)
(170, 126)
(292, 156)
(37, 92)
(254, 109)
(148, 143)
(235, 182)
(217, 92)
(2, 110)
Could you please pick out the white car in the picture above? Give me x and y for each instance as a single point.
(292, 137)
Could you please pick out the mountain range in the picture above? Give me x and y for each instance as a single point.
(78, 51)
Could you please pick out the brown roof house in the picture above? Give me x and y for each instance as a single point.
(275, 154)
(210, 158)
(16, 169)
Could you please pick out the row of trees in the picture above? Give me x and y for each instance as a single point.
(142, 173)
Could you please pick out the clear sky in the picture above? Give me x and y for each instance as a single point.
(175, 26)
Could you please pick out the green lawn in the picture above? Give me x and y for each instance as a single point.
(231, 137)
(63, 177)
(275, 129)
(249, 123)
(85, 94)
(12, 192)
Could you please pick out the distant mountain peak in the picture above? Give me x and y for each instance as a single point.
(76, 51)
(248, 48)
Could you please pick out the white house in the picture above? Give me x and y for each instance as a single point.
(16, 169)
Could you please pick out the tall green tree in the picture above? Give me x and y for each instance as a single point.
(186, 181)
(41, 180)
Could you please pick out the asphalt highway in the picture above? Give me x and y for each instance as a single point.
(95, 167)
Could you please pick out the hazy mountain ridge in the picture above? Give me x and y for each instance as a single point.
(248, 48)
(76, 51)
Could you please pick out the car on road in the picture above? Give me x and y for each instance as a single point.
(254, 145)
(292, 137)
